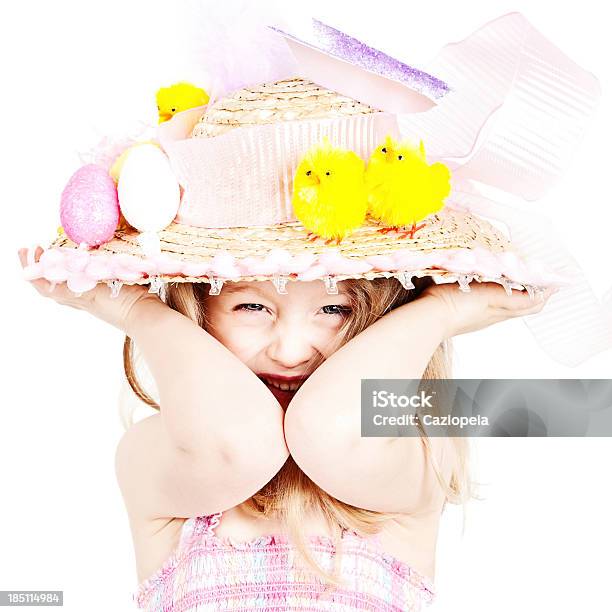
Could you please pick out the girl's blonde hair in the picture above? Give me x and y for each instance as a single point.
(290, 493)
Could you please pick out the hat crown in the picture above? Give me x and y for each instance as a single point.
(286, 100)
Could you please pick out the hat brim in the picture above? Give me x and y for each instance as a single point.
(454, 246)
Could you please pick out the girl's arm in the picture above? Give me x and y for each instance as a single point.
(208, 397)
(219, 436)
(323, 421)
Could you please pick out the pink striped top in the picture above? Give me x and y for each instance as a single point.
(209, 573)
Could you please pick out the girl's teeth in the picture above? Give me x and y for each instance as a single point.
(284, 386)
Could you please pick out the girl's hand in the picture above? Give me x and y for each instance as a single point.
(97, 301)
(484, 305)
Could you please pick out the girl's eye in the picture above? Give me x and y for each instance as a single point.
(331, 309)
(339, 310)
(258, 307)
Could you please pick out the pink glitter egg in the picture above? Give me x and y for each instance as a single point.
(89, 207)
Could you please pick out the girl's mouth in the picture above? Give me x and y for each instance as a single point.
(282, 391)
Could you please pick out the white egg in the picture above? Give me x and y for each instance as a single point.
(149, 193)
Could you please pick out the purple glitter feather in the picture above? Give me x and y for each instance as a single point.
(341, 45)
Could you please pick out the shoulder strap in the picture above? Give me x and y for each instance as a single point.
(211, 521)
(198, 525)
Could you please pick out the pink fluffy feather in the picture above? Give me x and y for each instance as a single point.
(235, 48)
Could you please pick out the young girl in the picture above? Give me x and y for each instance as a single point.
(255, 453)
(251, 487)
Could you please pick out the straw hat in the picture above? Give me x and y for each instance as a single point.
(235, 162)
(298, 100)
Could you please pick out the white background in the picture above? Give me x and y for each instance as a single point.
(73, 71)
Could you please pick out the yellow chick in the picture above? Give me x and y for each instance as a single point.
(329, 195)
(402, 187)
(179, 97)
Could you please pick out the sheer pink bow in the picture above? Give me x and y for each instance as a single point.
(517, 111)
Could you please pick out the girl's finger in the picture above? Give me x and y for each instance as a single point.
(521, 300)
(31, 256)
(537, 305)
(43, 286)
(23, 257)
(27, 257)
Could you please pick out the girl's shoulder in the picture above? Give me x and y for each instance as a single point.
(155, 541)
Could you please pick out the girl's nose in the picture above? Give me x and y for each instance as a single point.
(291, 349)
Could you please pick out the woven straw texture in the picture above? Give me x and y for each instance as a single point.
(447, 229)
(287, 100)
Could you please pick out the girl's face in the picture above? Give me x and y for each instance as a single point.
(275, 335)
